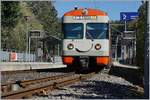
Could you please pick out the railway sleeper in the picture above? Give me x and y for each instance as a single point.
(42, 92)
(28, 92)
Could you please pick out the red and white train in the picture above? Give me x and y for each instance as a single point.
(87, 38)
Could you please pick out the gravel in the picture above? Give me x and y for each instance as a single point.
(100, 86)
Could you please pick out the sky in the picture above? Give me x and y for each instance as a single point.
(112, 7)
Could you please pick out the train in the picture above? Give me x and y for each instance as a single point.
(86, 38)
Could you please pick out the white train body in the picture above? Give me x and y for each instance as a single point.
(86, 34)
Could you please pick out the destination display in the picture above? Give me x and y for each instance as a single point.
(84, 17)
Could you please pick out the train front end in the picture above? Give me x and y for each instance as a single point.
(86, 37)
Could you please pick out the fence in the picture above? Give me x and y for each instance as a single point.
(20, 57)
(5, 56)
(57, 60)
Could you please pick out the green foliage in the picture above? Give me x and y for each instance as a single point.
(10, 13)
(10, 17)
(140, 36)
(14, 25)
(33, 23)
(46, 13)
(42, 16)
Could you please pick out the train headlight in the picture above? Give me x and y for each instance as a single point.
(97, 46)
(70, 46)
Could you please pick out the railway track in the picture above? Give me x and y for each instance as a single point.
(35, 87)
(24, 83)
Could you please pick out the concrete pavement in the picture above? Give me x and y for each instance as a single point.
(14, 66)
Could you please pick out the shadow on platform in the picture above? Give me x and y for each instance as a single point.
(65, 70)
(131, 75)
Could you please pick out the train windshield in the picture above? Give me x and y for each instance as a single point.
(73, 30)
(97, 31)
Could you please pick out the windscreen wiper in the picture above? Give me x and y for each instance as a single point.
(89, 35)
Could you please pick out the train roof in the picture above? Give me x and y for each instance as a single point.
(90, 12)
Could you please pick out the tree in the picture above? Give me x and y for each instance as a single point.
(10, 13)
(47, 15)
(140, 37)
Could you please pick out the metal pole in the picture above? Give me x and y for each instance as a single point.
(0, 28)
(134, 54)
(37, 49)
(133, 51)
(146, 53)
(0, 32)
(29, 46)
(58, 49)
(116, 49)
(26, 38)
(125, 27)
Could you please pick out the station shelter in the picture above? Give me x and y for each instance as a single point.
(51, 48)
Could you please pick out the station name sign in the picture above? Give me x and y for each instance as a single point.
(84, 17)
(128, 16)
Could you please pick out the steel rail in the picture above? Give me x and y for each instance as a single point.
(23, 83)
(28, 92)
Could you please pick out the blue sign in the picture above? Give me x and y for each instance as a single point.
(128, 16)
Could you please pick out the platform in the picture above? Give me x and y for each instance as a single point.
(128, 72)
(14, 66)
(117, 64)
